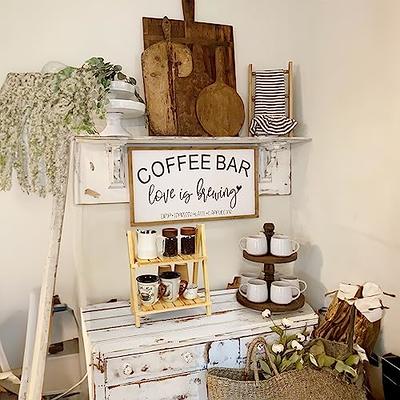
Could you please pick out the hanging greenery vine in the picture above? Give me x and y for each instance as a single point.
(39, 113)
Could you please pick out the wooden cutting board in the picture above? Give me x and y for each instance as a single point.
(162, 64)
(219, 108)
(202, 39)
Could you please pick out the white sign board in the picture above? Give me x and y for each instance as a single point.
(192, 183)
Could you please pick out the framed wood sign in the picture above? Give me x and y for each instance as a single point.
(189, 183)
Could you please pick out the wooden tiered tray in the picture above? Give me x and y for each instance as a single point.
(199, 259)
(269, 262)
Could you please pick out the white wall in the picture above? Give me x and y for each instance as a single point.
(345, 205)
(338, 48)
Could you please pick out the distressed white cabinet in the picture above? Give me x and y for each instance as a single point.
(168, 356)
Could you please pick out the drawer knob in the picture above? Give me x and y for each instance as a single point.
(188, 357)
(127, 370)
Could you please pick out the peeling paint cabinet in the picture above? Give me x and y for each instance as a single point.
(168, 356)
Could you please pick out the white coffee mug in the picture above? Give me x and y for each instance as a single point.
(281, 292)
(174, 285)
(283, 246)
(246, 276)
(254, 244)
(255, 290)
(150, 289)
(294, 281)
(147, 243)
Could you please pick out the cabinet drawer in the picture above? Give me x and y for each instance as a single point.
(156, 364)
(184, 387)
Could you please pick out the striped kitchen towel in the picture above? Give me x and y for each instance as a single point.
(270, 105)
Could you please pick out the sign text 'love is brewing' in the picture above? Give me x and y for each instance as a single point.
(192, 183)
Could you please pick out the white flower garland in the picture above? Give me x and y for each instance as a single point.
(39, 113)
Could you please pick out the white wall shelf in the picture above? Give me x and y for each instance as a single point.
(192, 141)
(100, 167)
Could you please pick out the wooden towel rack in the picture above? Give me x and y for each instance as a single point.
(289, 93)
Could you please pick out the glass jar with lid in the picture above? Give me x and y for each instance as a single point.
(170, 239)
(188, 240)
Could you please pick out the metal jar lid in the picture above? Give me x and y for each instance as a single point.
(188, 230)
(170, 232)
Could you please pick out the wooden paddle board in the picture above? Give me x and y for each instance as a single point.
(162, 63)
(219, 108)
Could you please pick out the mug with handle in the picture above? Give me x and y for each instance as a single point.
(255, 290)
(294, 281)
(281, 292)
(150, 289)
(255, 245)
(175, 286)
(246, 276)
(283, 246)
(147, 243)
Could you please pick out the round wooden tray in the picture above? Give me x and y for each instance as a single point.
(269, 258)
(294, 305)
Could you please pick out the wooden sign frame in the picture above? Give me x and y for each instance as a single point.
(131, 149)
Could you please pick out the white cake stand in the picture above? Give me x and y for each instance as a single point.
(122, 105)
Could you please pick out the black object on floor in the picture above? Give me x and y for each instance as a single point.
(391, 376)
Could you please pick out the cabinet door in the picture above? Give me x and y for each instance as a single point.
(224, 353)
(183, 387)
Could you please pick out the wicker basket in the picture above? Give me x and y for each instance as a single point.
(239, 384)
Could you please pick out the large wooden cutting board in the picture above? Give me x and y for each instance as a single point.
(162, 64)
(202, 39)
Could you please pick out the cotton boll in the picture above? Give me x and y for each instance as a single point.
(277, 348)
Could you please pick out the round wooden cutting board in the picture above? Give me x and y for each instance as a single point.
(219, 108)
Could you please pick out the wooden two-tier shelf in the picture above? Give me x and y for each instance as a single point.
(199, 259)
(269, 262)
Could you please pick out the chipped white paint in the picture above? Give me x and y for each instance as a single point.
(100, 173)
(275, 169)
(168, 356)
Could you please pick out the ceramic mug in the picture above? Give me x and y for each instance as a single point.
(174, 286)
(150, 289)
(255, 245)
(147, 243)
(255, 290)
(281, 292)
(294, 281)
(191, 292)
(283, 246)
(246, 276)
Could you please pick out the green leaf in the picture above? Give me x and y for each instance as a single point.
(277, 330)
(340, 366)
(265, 367)
(278, 359)
(317, 348)
(299, 365)
(354, 359)
(294, 358)
(321, 360)
(273, 357)
(291, 337)
(329, 361)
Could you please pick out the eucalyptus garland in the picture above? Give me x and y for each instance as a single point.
(39, 113)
